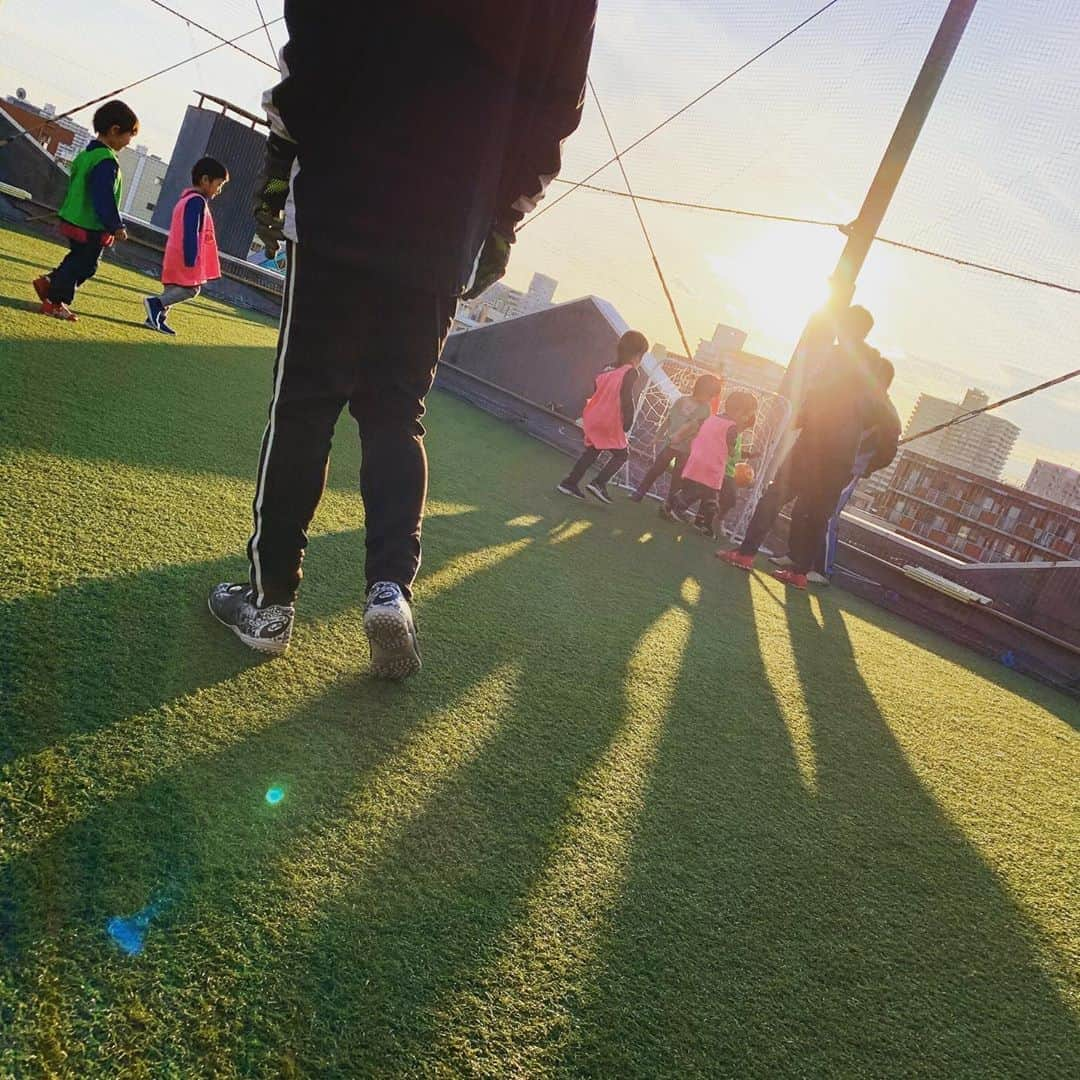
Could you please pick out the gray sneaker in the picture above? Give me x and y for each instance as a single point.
(817, 579)
(391, 632)
(266, 629)
(783, 561)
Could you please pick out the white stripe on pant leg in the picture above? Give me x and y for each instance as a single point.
(268, 434)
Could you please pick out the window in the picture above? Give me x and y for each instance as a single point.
(938, 523)
(963, 532)
(1012, 515)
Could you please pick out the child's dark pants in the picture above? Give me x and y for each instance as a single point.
(614, 463)
(79, 265)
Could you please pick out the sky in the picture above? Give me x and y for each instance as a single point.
(995, 177)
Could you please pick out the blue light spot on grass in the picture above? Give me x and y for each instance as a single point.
(129, 931)
(129, 934)
(274, 795)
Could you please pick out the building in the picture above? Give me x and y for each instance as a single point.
(981, 445)
(500, 302)
(143, 173)
(237, 138)
(1058, 483)
(974, 518)
(724, 352)
(725, 341)
(61, 139)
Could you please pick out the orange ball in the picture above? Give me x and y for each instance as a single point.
(744, 474)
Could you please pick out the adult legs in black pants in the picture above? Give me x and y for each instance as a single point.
(80, 264)
(809, 520)
(377, 354)
(776, 496)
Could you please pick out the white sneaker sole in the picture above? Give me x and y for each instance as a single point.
(607, 500)
(394, 654)
(570, 494)
(263, 645)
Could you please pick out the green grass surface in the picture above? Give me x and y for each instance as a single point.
(641, 815)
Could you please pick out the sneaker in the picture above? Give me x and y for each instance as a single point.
(704, 529)
(391, 632)
(267, 629)
(790, 577)
(734, 557)
(783, 561)
(635, 496)
(817, 579)
(666, 513)
(600, 491)
(163, 326)
(155, 309)
(41, 287)
(572, 490)
(58, 311)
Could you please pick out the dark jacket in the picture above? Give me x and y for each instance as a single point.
(421, 125)
(843, 401)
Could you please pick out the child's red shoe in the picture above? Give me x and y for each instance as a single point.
(58, 311)
(41, 287)
(790, 577)
(735, 558)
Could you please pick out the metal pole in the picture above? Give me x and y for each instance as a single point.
(862, 231)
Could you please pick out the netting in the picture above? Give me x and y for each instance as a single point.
(799, 133)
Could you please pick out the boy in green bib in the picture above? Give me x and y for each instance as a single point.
(90, 213)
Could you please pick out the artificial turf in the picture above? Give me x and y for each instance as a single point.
(640, 815)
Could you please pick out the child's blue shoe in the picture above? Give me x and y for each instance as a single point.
(155, 310)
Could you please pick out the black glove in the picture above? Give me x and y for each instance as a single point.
(274, 193)
(492, 265)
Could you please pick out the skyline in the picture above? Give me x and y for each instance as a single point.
(800, 132)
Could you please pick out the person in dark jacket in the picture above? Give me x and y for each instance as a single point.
(407, 143)
(845, 400)
(877, 450)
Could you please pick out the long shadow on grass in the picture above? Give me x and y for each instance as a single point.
(399, 938)
(379, 943)
(1053, 701)
(98, 677)
(78, 659)
(773, 927)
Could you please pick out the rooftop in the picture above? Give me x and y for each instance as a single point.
(638, 809)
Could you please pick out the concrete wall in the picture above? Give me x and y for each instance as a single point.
(25, 164)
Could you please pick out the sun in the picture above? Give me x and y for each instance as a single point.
(780, 279)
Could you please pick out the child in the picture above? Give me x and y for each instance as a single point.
(191, 253)
(729, 495)
(703, 473)
(90, 213)
(680, 426)
(606, 419)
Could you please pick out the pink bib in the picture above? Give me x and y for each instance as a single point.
(601, 418)
(709, 453)
(207, 265)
